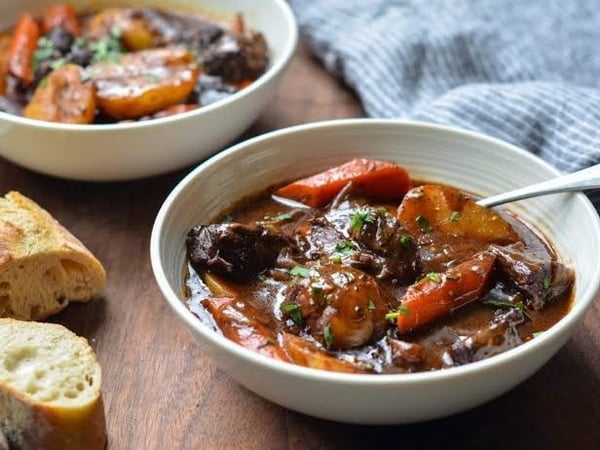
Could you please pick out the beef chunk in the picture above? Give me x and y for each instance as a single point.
(233, 249)
(237, 58)
(540, 279)
(499, 336)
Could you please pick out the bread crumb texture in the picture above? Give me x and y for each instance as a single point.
(50, 388)
(42, 265)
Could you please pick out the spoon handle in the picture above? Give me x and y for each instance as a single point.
(577, 181)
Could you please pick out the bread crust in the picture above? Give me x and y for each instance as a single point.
(61, 423)
(42, 265)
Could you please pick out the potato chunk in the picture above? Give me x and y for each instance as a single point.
(63, 97)
(144, 83)
(448, 211)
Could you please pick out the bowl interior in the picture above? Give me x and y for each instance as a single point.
(478, 164)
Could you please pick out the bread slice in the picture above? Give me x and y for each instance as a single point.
(42, 265)
(50, 388)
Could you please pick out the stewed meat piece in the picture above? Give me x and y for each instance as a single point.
(540, 279)
(233, 248)
(341, 307)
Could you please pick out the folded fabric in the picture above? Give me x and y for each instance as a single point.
(527, 72)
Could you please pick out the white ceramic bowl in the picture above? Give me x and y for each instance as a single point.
(434, 153)
(136, 150)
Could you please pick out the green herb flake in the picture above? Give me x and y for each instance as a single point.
(295, 312)
(328, 336)
(454, 216)
(152, 78)
(318, 292)
(433, 276)
(537, 334)
(359, 218)
(298, 271)
(370, 305)
(336, 258)
(284, 217)
(423, 224)
(405, 240)
(504, 304)
(58, 63)
(402, 310)
(546, 283)
(44, 50)
(108, 49)
(345, 248)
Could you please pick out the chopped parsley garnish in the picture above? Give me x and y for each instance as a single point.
(504, 304)
(109, 48)
(345, 248)
(433, 276)
(405, 240)
(328, 336)
(423, 223)
(371, 305)
(152, 78)
(298, 271)
(336, 258)
(318, 292)
(293, 309)
(546, 283)
(402, 310)
(359, 218)
(45, 49)
(283, 217)
(454, 216)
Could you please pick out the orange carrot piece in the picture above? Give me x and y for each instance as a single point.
(380, 180)
(61, 16)
(438, 295)
(4, 43)
(238, 26)
(22, 47)
(243, 327)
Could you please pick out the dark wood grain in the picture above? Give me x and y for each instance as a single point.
(161, 392)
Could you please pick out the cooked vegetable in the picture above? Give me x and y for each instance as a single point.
(144, 83)
(61, 16)
(4, 43)
(63, 97)
(437, 295)
(22, 47)
(307, 354)
(244, 327)
(451, 212)
(376, 179)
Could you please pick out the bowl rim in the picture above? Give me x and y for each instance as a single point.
(585, 299)
(288, 51)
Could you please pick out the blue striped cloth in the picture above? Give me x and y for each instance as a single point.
(527, 72)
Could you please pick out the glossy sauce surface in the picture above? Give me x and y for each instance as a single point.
(476, 331)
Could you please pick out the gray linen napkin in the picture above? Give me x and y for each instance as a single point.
(525, 71)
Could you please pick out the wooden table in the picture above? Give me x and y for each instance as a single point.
(161, 392)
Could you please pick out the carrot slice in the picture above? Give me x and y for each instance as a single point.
(61, 16)
(22, 47)
(438, 295)
(243, 327)
(380, 180)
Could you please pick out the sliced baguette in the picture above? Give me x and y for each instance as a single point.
(42, 265)
(50, 388)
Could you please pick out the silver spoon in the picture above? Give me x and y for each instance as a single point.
(577, 181)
